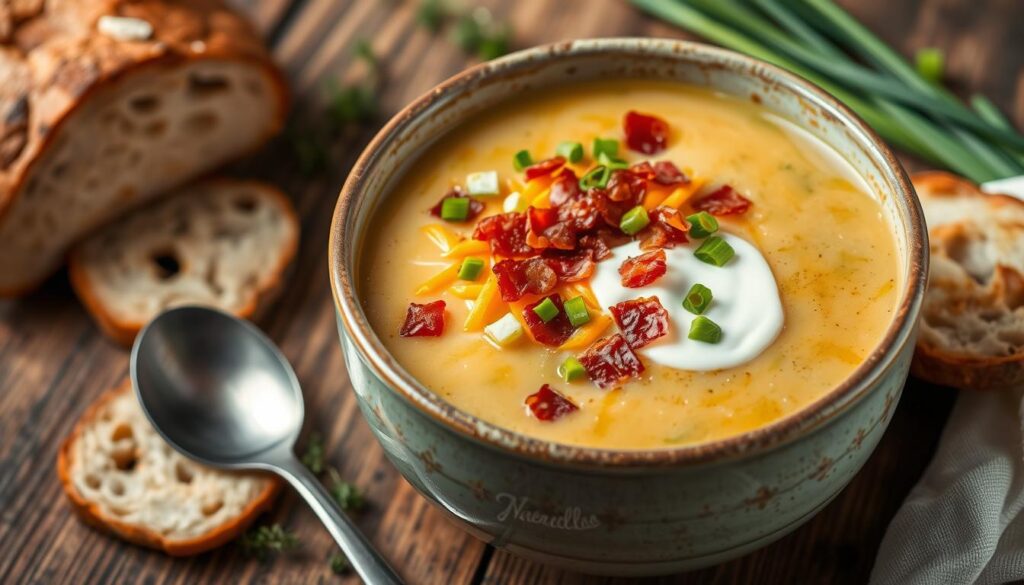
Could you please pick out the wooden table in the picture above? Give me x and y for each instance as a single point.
(53, 362)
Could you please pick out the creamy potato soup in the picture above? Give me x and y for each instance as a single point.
(630, 265)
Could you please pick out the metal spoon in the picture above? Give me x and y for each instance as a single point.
(222, 393)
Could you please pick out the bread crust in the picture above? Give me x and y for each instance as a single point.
(966, 370)
(53, 60)
(92, 515)
(123, 332)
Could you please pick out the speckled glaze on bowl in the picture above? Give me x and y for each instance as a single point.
(607, 511)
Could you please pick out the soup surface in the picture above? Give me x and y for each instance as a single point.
(814, 222)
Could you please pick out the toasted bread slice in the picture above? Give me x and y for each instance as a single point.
(123, 478)
(972, 328)
(220, 243)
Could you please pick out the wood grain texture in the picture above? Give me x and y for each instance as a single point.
(53, 361)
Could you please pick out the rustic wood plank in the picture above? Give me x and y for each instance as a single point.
(53, 362)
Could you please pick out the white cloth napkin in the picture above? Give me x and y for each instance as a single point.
(964, 521)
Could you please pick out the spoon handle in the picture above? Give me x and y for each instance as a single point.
(370, 566)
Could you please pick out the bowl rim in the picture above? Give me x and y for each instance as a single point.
(900, 331)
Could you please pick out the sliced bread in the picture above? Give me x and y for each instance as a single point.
(972, 328)
(105, 104)
(123, 478)
(221, 243)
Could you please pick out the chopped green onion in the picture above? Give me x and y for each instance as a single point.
(572, 151)
(521, 160)
(455, 209)
(514, 202)
(698, 299)
(505, 330)
(484, 184)
(577, 311)
(930, 63)
(612, 162)
(634, 220)
(571, 369)
(606, 146)
(546, 310)
(470, 268)
(702, 224)
(715, 251)
(704, 329)
(595, 177)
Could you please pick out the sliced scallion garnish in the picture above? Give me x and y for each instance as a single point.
(612, 162)
(715, 251)
(571, 369)
(702, 224)
(606, 146)
(483, 184)
(576, 310)
(572, 151)
(505, 330)
(470, 268)
(455, 209)
(698, 299)
(704, 329)
(521, 160)
(634, 220)
(546, 310)
(596, 177)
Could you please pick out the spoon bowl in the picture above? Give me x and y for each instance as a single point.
(220, 392)
(215, 387)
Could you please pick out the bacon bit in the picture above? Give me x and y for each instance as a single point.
(610, 361)
(545, 167)
(602, 242)
(545, 231)
(627, 187)
(644, 133)
(424, 320)
(520, 277)
(580, 214)
(724, 201)
(666, 173)
(643, 170)
(548, 404)
(668, 227)
(643, 269)
(571, 267)
(565, 188)
(507, 234)
(475, 207)
(641, 320)
(553, 333)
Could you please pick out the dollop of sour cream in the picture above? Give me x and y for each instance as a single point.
(746, 304)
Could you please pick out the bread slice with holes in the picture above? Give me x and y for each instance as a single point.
(106, 104)
(222, 243)
(972, 327)
(122, 477)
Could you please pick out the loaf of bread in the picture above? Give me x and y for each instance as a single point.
(221, 243)
(123, 478)
(105, 104)
(972, 328)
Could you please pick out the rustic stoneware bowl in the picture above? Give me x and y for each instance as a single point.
(624, 512)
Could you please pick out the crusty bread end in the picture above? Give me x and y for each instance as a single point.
(972, 327)
(122, 478)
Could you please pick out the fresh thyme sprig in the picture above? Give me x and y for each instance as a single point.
(349, 497)
(313, 458)
(263, 541)
(475, 30)
(340, 564)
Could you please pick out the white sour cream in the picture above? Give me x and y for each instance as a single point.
(746, 304)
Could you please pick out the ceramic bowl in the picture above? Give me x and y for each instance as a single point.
(607, 511)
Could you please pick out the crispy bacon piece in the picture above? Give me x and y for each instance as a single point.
(521, 277)
(475, 207)
(544, 167)
(573, 266)
(424, 320)
(724, 201)
(643, 269)
(610, 362)
(547, 404)
(668, 227)
(601, 242)
(645, 133)
(506, 233)
(666, 173)
(581, 214)
(565, 188)
(556, 331)
(627, 187)
(641, 320)
(546, 231)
